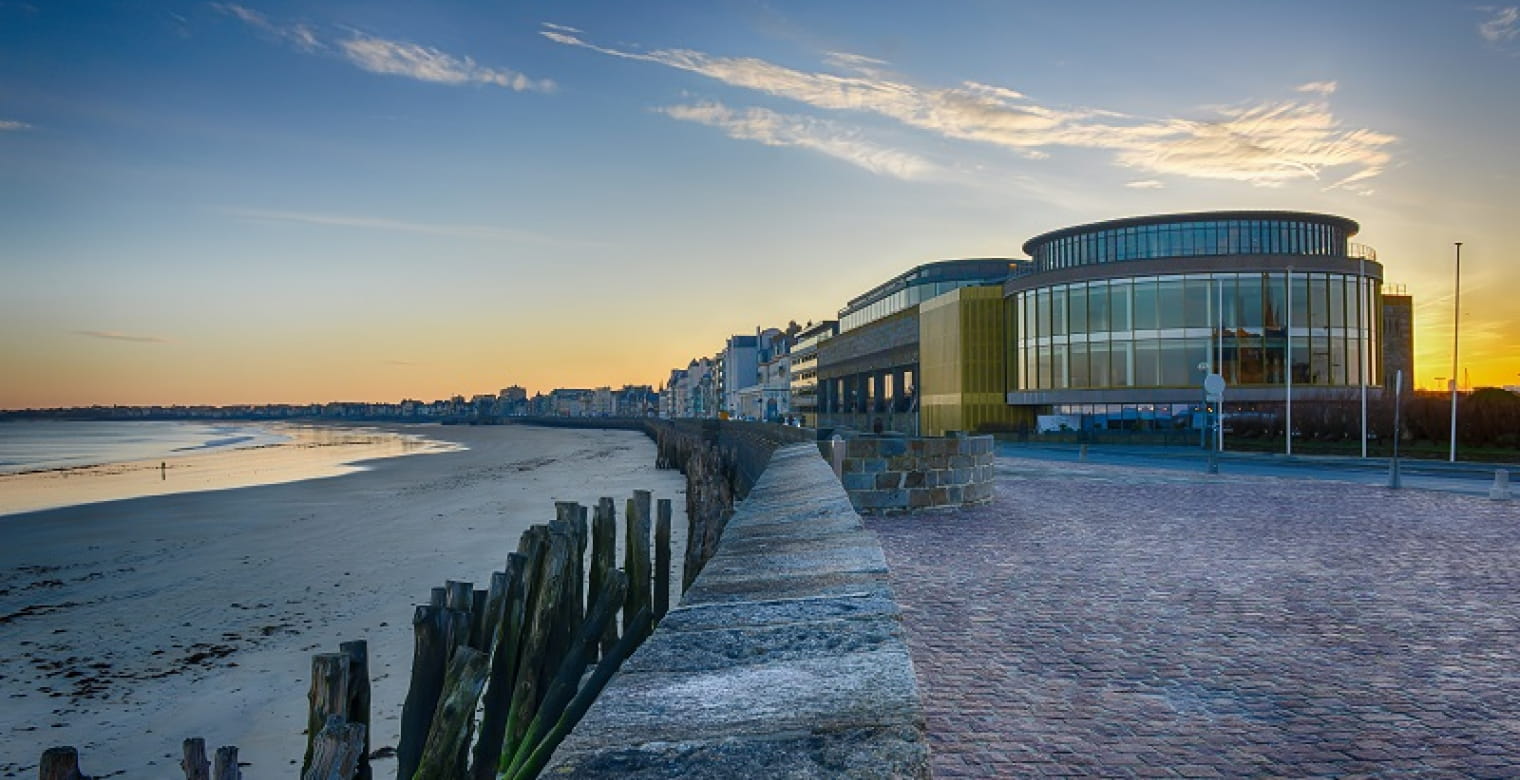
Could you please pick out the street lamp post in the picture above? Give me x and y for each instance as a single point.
(1456, 324)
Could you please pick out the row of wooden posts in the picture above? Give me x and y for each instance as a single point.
(515, 654)
(62, 763)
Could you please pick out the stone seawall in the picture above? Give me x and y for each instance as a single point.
(786, 658)
(897, 474)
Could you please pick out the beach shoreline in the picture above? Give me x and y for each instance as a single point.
(310, 451)
(128, 626)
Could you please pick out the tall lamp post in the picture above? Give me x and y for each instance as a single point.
(1456, 324)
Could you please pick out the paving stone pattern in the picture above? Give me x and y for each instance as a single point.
(1109, 621)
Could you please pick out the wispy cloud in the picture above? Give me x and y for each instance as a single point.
(399, 58)
(11, 124)
(1502, 27)
(1263, 143)
(774, 129)
(389, 57)
(402, 363)
(298, 35)
(1145, 184)
(478, 232)
(112, 335)
(560, 27)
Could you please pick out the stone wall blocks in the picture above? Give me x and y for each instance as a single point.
(861, 448)
(889, 480)
(858, 481)
(873, 465)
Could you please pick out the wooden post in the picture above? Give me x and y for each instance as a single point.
(60, 763)
(447, 739)
(498, 695)
(429, 656)
(571, 610)
(582, 536)
(496, 602)
(604, 561)
(328, 696)
(662, 560)
(458, 595)
(478, 618)
(636, 557)
(339, 747)
(195, 763)
(226, 766)
(584, 697)
(547, 592)
(568, 678)
(438, 596)
(358, 698)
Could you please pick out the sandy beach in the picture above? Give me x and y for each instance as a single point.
(127, 626)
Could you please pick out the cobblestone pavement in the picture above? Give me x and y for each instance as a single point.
(1113, 621)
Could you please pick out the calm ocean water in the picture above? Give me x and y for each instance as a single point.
(36, 445)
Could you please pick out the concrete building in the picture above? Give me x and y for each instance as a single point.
(804, 371)
(1398, 336)
(868, 372)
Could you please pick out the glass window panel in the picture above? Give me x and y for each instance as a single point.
(1319, 301)
(1196, 293)
(1058, 311)
(1273, 360)
(1337, 290)
(1300, 360)
(1147, 362)
(1179, 360)
(1146, 315)
(1042, 367)
(1169, 305)
(1098, 374)
(1120, 364)
(1319, 358)
(1250, 293)
(1076, 310)
(1042, 314)
(1299, 315)
(1097, 311)
(1118, 306)
(1080, 377)
(1058, 375)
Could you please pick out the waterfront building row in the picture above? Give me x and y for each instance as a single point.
(1122, 319)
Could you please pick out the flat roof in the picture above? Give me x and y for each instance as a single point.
(1348, 225)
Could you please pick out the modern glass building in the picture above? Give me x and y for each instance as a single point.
(1117, 316)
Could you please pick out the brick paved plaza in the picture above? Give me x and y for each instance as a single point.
(1108, 621)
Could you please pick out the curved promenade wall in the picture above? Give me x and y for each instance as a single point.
(786, 657)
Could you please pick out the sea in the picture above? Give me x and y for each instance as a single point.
(46, 445)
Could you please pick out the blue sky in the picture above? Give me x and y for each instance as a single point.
(261, 201)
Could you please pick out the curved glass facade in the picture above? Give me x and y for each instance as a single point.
(1154, 331)
(1192, 238)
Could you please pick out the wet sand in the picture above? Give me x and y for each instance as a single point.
(314, 451)
(127, 626)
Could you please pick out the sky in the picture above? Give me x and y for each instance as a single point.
(267, 201)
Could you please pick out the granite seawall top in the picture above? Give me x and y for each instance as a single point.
(786, 658)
